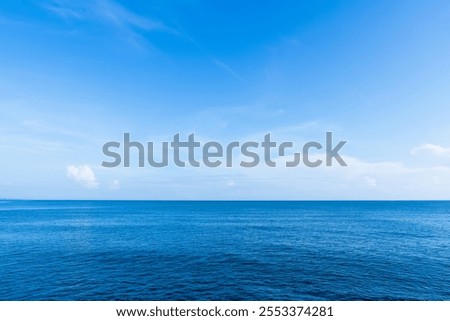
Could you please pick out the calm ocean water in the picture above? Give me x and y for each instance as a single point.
(117, 250)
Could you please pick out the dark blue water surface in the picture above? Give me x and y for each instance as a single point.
(120, 250)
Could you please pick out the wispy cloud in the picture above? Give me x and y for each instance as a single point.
(431, 149)
(227, 68)
(39, 127)
(83, 175)
(210, 56)
(110, 13)
(65, 9)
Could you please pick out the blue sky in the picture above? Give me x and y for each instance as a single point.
(76, 74)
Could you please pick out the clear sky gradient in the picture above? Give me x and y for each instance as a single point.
(76, 74)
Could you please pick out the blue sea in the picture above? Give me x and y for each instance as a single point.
(189, 250)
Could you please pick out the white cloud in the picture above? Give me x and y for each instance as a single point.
(372, 182)
(431, 149)
(359, 180)
(231, 183)
(82, 174)
(115, 184)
